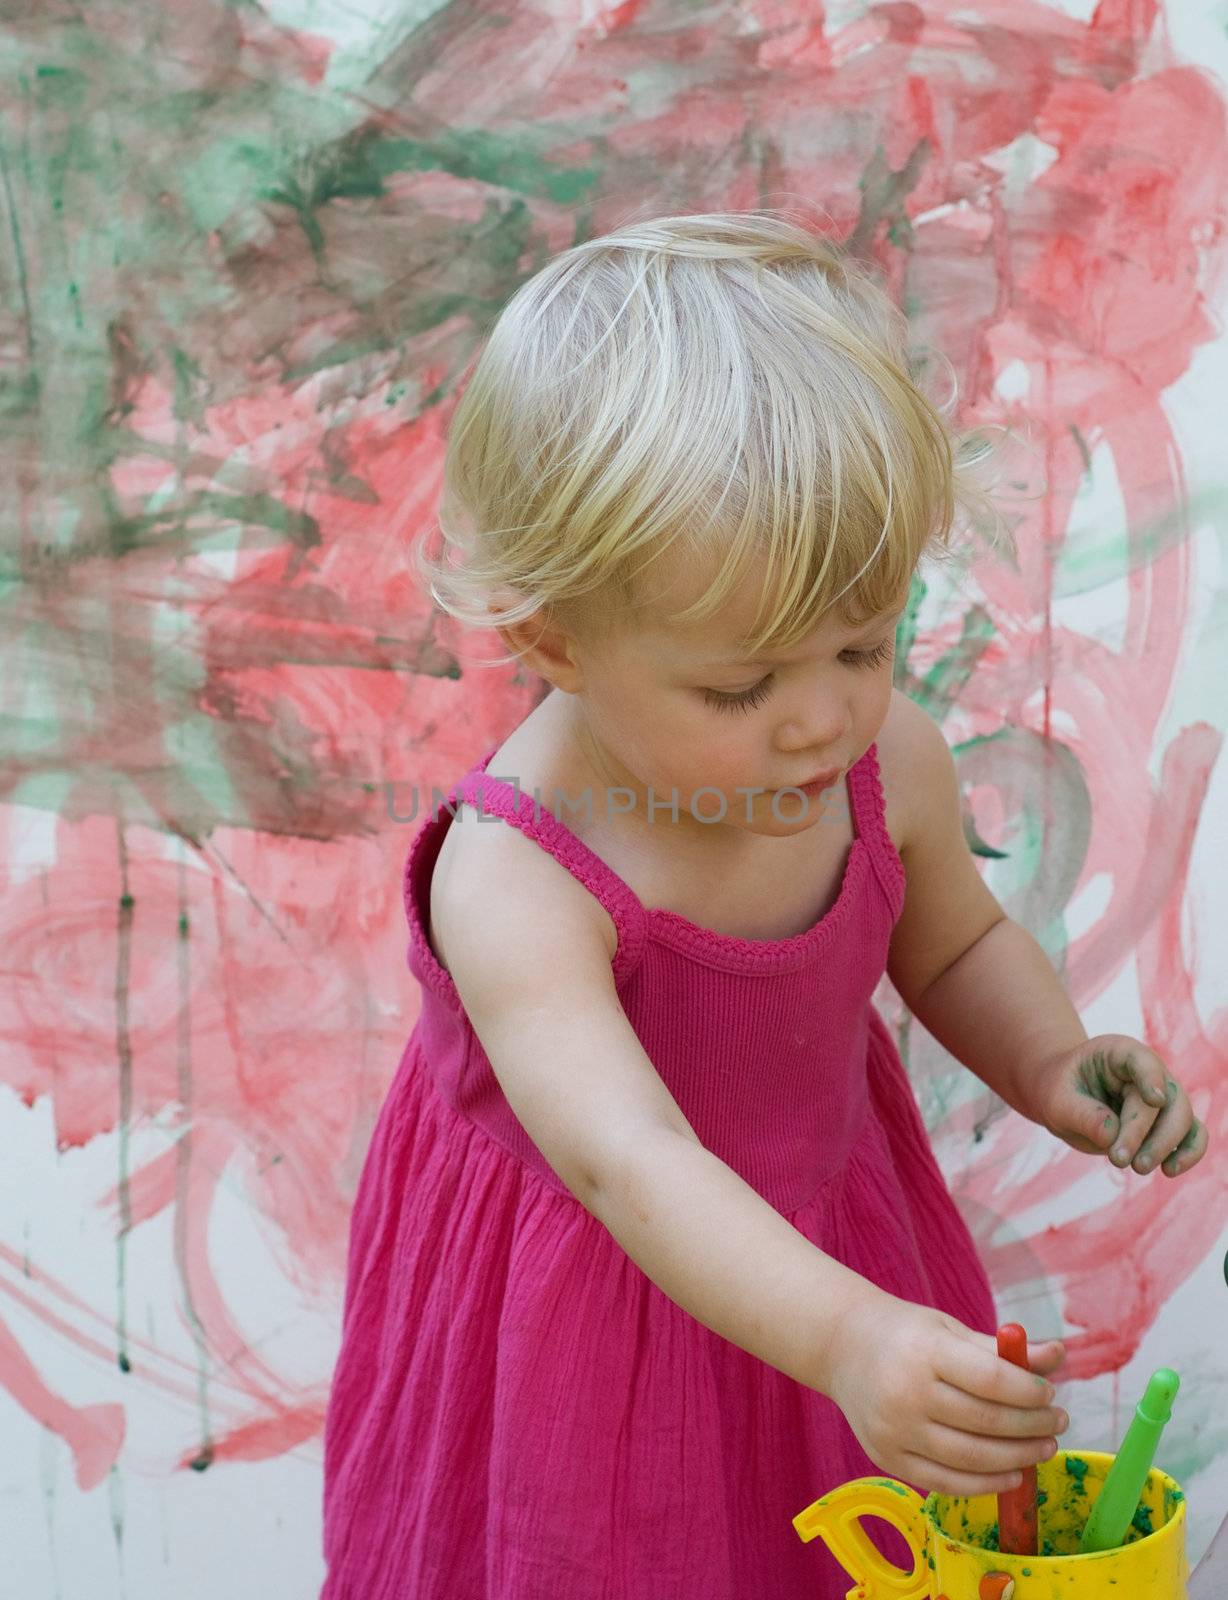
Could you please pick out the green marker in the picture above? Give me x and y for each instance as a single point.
(1118, 1499)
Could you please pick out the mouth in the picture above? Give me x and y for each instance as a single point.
(821, 781)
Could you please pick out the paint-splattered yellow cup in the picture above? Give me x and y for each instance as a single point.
(952, 1540)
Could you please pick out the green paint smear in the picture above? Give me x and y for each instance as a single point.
(1087, 560)
(1060, 1526)
(177, 226)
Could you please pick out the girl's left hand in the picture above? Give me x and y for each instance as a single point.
(1112, 1095)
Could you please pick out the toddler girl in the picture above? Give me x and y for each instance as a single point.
(650, 1249)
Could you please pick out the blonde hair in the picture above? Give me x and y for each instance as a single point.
(730, 385)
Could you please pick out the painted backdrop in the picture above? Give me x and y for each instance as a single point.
(247, 251)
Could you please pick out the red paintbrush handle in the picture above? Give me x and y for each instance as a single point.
(1017, 1507)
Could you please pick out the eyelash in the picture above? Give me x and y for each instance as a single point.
(749, 698)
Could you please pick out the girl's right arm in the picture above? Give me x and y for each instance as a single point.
(529, 951)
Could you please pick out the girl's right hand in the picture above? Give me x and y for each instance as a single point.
(933, 1403)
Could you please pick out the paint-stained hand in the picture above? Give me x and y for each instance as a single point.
(1113, 1096)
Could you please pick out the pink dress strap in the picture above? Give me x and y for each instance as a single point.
(492, 796)
(870, 824)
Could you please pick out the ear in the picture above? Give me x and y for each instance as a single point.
(545, 646)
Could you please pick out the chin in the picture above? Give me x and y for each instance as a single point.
(781, 826)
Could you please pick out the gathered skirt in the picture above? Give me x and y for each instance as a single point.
(519, 1413)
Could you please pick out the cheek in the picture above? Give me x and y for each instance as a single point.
(685, 734)
(723, 748)
(650, 733)
(882, 692)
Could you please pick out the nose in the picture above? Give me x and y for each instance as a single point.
(819, 724)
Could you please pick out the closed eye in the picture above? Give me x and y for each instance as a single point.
(742, 701)
(747, 699)
(873, 658)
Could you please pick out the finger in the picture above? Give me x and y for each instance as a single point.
(983, 1374)
(1191, 1150)
(937, 1478)
(1143, 1068)
(1044, 1355)
(974, 1452)
(1167, 1131)
(1136, 1120)
(1109, 1130)
(1075, 1112)
(1112, 1064)
(963, 1411)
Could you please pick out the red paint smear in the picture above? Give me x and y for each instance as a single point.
(265, 1436)
(273, 51)
(152, 1368)
(94, 1433)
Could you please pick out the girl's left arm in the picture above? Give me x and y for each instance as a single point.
(986, 990)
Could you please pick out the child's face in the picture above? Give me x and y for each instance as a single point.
(661, 707)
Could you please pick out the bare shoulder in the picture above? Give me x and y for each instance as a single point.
(491, 876)
(916, 767)
(493, 886)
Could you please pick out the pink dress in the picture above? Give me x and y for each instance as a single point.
(517, 1411)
